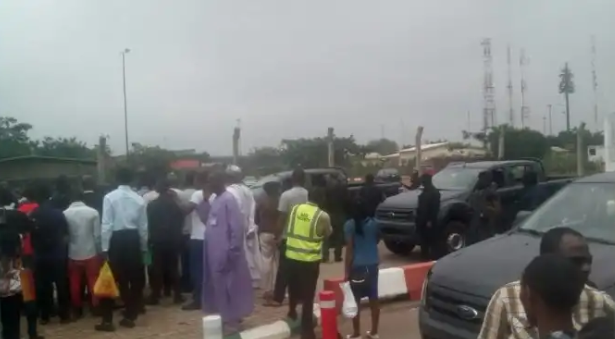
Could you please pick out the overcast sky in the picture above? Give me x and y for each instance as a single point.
(291, 68)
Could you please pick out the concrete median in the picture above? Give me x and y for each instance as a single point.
(393, 282)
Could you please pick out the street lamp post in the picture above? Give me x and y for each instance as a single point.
(124, 52)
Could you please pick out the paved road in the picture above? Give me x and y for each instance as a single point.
(397, 321)
(167, 321)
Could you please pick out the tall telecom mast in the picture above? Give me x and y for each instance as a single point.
(525, 110)
(594, 81)
(511, 110)
(489, 115)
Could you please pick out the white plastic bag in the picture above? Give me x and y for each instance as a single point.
(350, 309)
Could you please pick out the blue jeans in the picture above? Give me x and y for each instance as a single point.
(196, 269)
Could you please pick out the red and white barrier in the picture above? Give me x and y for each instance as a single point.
(328, 314)
(393, 282)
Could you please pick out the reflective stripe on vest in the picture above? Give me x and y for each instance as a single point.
(302, 242)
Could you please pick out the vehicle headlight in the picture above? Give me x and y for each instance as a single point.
(425, 290)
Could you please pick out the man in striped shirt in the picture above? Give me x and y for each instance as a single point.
(505, 317)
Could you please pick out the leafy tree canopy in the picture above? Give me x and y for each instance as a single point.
(310, 153)
(382, 146)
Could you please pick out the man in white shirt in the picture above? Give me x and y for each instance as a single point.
(289, 199)
(83, 249)
(247, 206)
(197, 211)
(124, 237)
(184, 196)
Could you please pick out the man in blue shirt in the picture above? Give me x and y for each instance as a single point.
(124, 238)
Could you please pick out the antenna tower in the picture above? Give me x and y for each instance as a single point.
(511, 110)
(594, 81)
(525, 110)
(489, 116)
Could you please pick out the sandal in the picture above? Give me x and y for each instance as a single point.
(371, 336)
(350, 336)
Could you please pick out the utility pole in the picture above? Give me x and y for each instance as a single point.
(594, 81)
(330, 150)
(525, 110)
(511, 110)
(236, 136)
(419, 148)
(124, 52)
(469, 121)
(550, 121)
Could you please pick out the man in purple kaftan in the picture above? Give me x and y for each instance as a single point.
(227, 286)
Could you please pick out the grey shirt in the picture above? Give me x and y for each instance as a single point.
(289, 199)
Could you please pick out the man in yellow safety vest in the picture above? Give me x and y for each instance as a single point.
(308, 226)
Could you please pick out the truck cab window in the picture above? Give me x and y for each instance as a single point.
(498, 178)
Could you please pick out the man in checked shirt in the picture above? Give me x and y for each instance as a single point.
(505, 317)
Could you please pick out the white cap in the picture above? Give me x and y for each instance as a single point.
(233, 169)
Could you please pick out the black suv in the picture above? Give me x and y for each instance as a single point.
(395, 216)
(459, 286)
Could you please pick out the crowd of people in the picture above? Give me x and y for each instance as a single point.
(213, 238)
(210, 237)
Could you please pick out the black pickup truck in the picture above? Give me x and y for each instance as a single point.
(459, 286)
(395, 216)
(320, 174)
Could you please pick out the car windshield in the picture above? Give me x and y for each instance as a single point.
(586, 207)
(456, 178)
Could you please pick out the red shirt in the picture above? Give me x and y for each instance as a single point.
(26, 243)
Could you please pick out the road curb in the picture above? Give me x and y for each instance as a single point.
(393, 282)
(281, 329)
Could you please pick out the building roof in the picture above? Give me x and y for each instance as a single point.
(47, 159)
(424, 147)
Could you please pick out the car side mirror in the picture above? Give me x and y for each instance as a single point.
(521, 216)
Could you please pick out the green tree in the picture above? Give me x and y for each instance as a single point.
(63, 148)
(14, 140)
(382, 146)
(566, 87)
(518, 142)
(153, 159)
(311, 153)
(568, 139)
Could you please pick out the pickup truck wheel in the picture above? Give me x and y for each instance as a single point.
(455, 236)
(399, 247)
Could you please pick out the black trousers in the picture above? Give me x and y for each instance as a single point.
(10, 316)
(281, 279)
(126, 262)
(52, 270)
(185, 279)
(302, 280)
(336, 240)
(165, 260)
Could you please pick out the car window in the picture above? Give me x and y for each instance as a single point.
(497, 175)
(456, 178)
(517, 172)
(586, 207)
